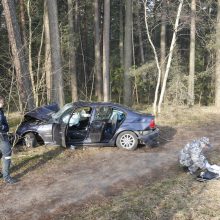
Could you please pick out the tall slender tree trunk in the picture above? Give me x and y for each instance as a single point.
(163, 40)
(23, 76)
(170, 57)
(192, 54)
(121, 37)
(30, 52)
(128, 53)
(217, 64)
(76, 15)
(98, 70)
(141, 45)
(57, 90)
(106, 33)
(156, 59)
(72, 54)
(22, 25)
(47, 63)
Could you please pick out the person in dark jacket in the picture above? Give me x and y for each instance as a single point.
(5, 146)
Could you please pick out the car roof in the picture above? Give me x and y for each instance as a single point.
(116, 105)
(94, 104)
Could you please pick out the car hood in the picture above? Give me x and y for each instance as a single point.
(43, 113)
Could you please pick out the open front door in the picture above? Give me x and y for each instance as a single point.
(59, 134)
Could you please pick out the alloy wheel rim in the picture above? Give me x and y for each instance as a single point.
(127, 141)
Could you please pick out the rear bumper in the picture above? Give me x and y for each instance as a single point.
(149, 138)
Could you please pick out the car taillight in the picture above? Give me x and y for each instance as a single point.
(152, 124)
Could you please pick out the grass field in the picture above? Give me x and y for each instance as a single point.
(176, 195)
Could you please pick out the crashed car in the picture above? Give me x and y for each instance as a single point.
(90, 124)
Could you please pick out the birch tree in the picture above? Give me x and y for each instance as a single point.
(156, 59)
(157, 107)
(170, 55)
(192, 54)
(163, 39)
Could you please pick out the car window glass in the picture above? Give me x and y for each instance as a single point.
(80, 114)
(58, 114)
(65, 116)
(103, 113)
(117, 115)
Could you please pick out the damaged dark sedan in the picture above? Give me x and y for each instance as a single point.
(88, 123)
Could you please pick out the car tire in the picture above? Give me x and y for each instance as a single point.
(127, 140)
(30, 140)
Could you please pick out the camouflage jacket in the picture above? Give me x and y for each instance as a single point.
(192, 154)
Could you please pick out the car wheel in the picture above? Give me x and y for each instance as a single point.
(127, 140)
(30, 140)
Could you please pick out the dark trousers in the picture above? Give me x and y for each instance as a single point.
(5, 149)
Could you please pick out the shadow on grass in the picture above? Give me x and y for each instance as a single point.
(166, 134)
(35, 162)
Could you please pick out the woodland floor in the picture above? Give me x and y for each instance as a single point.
(57, 183)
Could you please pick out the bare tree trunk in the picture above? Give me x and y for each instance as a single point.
(22, 25)
(106, 33)
(40, 79)
(30, 51)
(192, 54)
(217, 64)
(128, 53)
(141, 45)
(156, 59)
(170, 55)
(72, 55)
(57, 91)
(24, 84)
(98, 70)
(121, 37)
(163, 40)
(135, 77)
(48, 65)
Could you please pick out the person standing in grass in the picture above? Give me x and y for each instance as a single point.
(192, 157)
(5, 146)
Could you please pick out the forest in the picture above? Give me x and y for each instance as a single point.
(157, 56)
(153, 52)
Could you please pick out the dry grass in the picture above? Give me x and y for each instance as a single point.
(14, 120)
(182, 115)
(177, 197)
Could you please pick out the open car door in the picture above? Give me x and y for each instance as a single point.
(59, 134)
(60, 128)
(99, 124)
(78, 125)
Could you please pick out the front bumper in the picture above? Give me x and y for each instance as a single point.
(150, 138)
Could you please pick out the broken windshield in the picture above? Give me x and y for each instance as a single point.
(57, 115)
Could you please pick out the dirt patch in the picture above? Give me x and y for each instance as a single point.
(51, 185)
